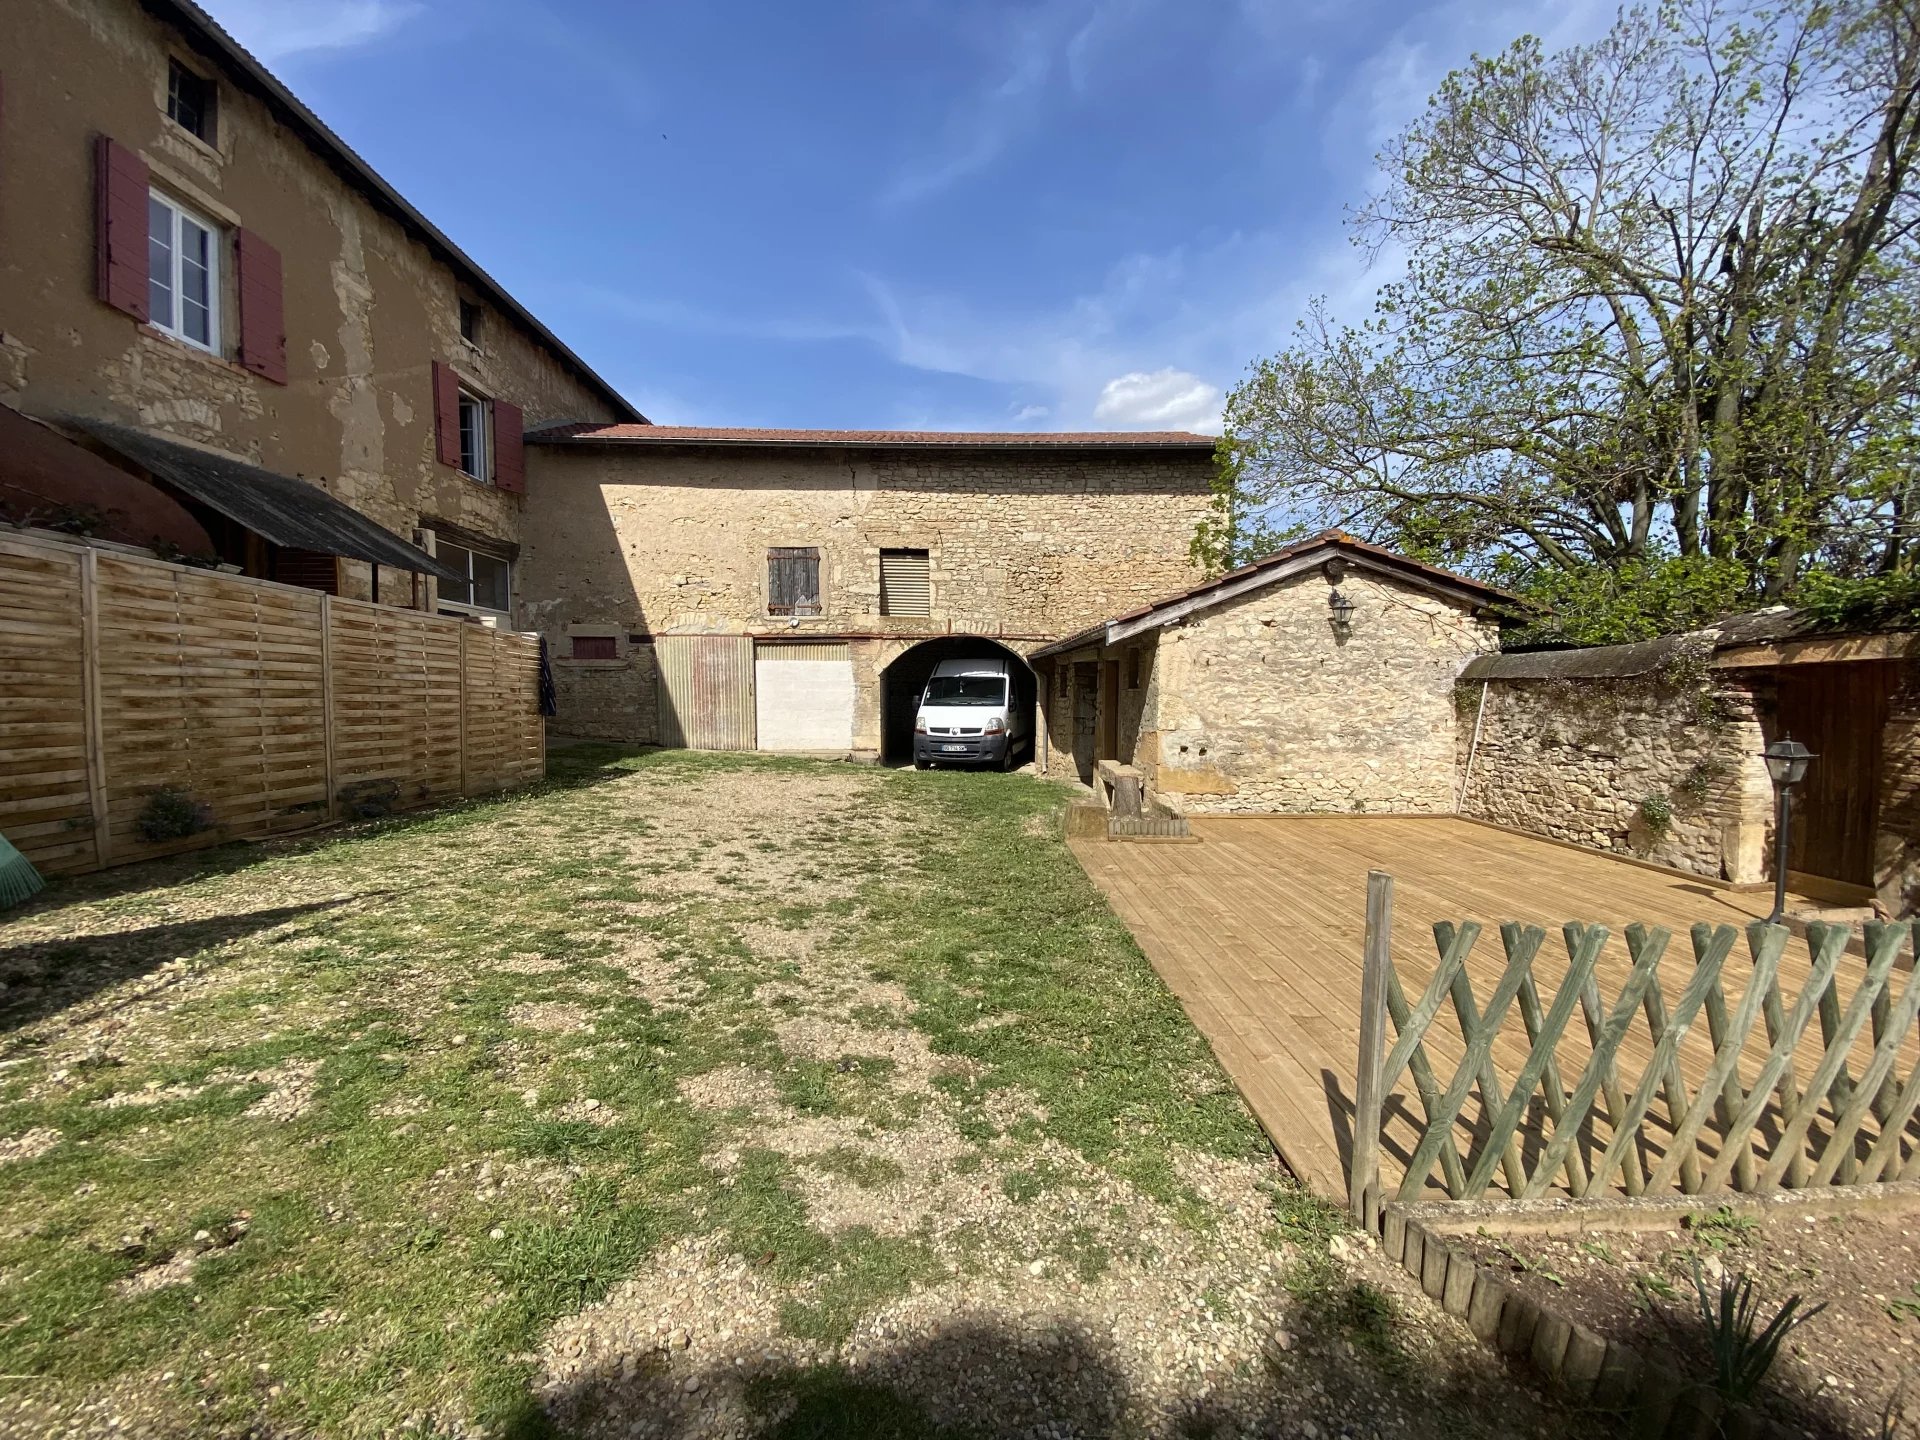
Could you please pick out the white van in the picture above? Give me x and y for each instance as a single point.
(969, 715)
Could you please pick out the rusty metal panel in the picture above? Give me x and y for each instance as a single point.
(706, 691)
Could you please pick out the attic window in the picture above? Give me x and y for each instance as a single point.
(470, 322)
(190, 101)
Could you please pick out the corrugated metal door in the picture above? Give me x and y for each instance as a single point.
(706, 691)
(804, 695)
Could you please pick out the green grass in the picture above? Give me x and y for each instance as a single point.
(380, 1275)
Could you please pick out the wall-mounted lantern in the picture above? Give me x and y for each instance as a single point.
(1339, 607)
(1787, 761)
(1340, 614)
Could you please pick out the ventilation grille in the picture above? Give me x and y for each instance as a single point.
(904, 585)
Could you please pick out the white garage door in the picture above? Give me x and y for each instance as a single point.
(804, 696)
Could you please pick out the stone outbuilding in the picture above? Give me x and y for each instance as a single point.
(792, 590)
(1319, 678)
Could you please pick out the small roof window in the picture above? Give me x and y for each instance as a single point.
(190, 101)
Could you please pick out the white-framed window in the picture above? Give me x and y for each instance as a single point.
(183, 272)
(487, 586)
(474, 437)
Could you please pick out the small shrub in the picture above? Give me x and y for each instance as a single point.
(1743, 1350)
(1656, 813)
(172, 814)
(1697, 784)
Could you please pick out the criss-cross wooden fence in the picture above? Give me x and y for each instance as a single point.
(1714, 1065)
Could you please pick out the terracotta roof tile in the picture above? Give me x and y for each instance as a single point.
(727, 435)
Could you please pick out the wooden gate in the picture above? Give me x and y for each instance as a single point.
(1839, 712)
(706, 691)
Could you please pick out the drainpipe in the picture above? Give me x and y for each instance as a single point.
(1473, 747)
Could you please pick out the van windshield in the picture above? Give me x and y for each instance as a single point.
(967, 690)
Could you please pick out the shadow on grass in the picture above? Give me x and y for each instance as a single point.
(574, 766)
(980, 1380)
(45, 977)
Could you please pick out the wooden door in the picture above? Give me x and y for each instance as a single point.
(706, 691)
(1839, 712)
(1109, 709)
(1086, 718)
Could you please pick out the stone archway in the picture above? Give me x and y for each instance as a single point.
(905, 676)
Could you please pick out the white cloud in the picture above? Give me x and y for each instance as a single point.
(1029, 413)
(276, 29)
(1160, 400)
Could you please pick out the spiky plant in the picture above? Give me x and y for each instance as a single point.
(1743, 1349)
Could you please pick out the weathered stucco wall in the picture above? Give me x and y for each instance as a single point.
(1664, 766)
(1256, 705)
(1023, 547)
(368, 307)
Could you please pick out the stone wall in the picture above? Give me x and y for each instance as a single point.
(369, 306)
(1023, 545)
(607, 699)
(1664, 766)
(1256, 705)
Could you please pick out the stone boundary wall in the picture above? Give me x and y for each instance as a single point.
(1664, 766)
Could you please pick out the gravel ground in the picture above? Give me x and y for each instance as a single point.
(697, 1096)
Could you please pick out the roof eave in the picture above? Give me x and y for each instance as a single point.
(1051, 447)
(190, 18)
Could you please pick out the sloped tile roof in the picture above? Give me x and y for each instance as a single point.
(592, 433)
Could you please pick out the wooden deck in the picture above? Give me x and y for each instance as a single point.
(1258, 931)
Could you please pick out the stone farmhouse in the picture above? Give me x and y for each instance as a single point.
(226, 340)
(206, 287)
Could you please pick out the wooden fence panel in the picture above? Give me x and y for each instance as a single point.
(262, 703)
(210, 685)
(396, 703)
(45, 804)
(1753, 1093)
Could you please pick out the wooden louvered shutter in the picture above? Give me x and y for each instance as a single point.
(120, 217)
(263, 325)
(793, 580)
(509, 448)
(906, 588)
(446, 415)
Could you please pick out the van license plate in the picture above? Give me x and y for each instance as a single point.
(952, 749)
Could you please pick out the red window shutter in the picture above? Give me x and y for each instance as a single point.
(509, 448)
(263, 326)
(446, 414)
(120, 216)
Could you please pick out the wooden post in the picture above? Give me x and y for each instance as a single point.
(461, 631)
(1363, 1184)
(326, 702)
(91, 700)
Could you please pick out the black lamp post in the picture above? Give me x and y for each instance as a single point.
(1787, 765)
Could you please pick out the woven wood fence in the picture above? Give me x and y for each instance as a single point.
(1721, 1061)
(274, 708)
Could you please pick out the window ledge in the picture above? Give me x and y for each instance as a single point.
(176, 346)
(177, 131)
(573, 664)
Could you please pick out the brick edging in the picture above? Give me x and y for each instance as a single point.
(1584, 1366)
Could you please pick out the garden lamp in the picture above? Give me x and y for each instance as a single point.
(1787, 761)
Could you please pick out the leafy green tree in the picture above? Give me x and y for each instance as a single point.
(1660, 304)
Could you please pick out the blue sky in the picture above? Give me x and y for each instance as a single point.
(942, 214)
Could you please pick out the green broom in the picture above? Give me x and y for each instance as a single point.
(18, 879)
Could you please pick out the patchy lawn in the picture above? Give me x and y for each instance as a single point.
(686, 1095)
